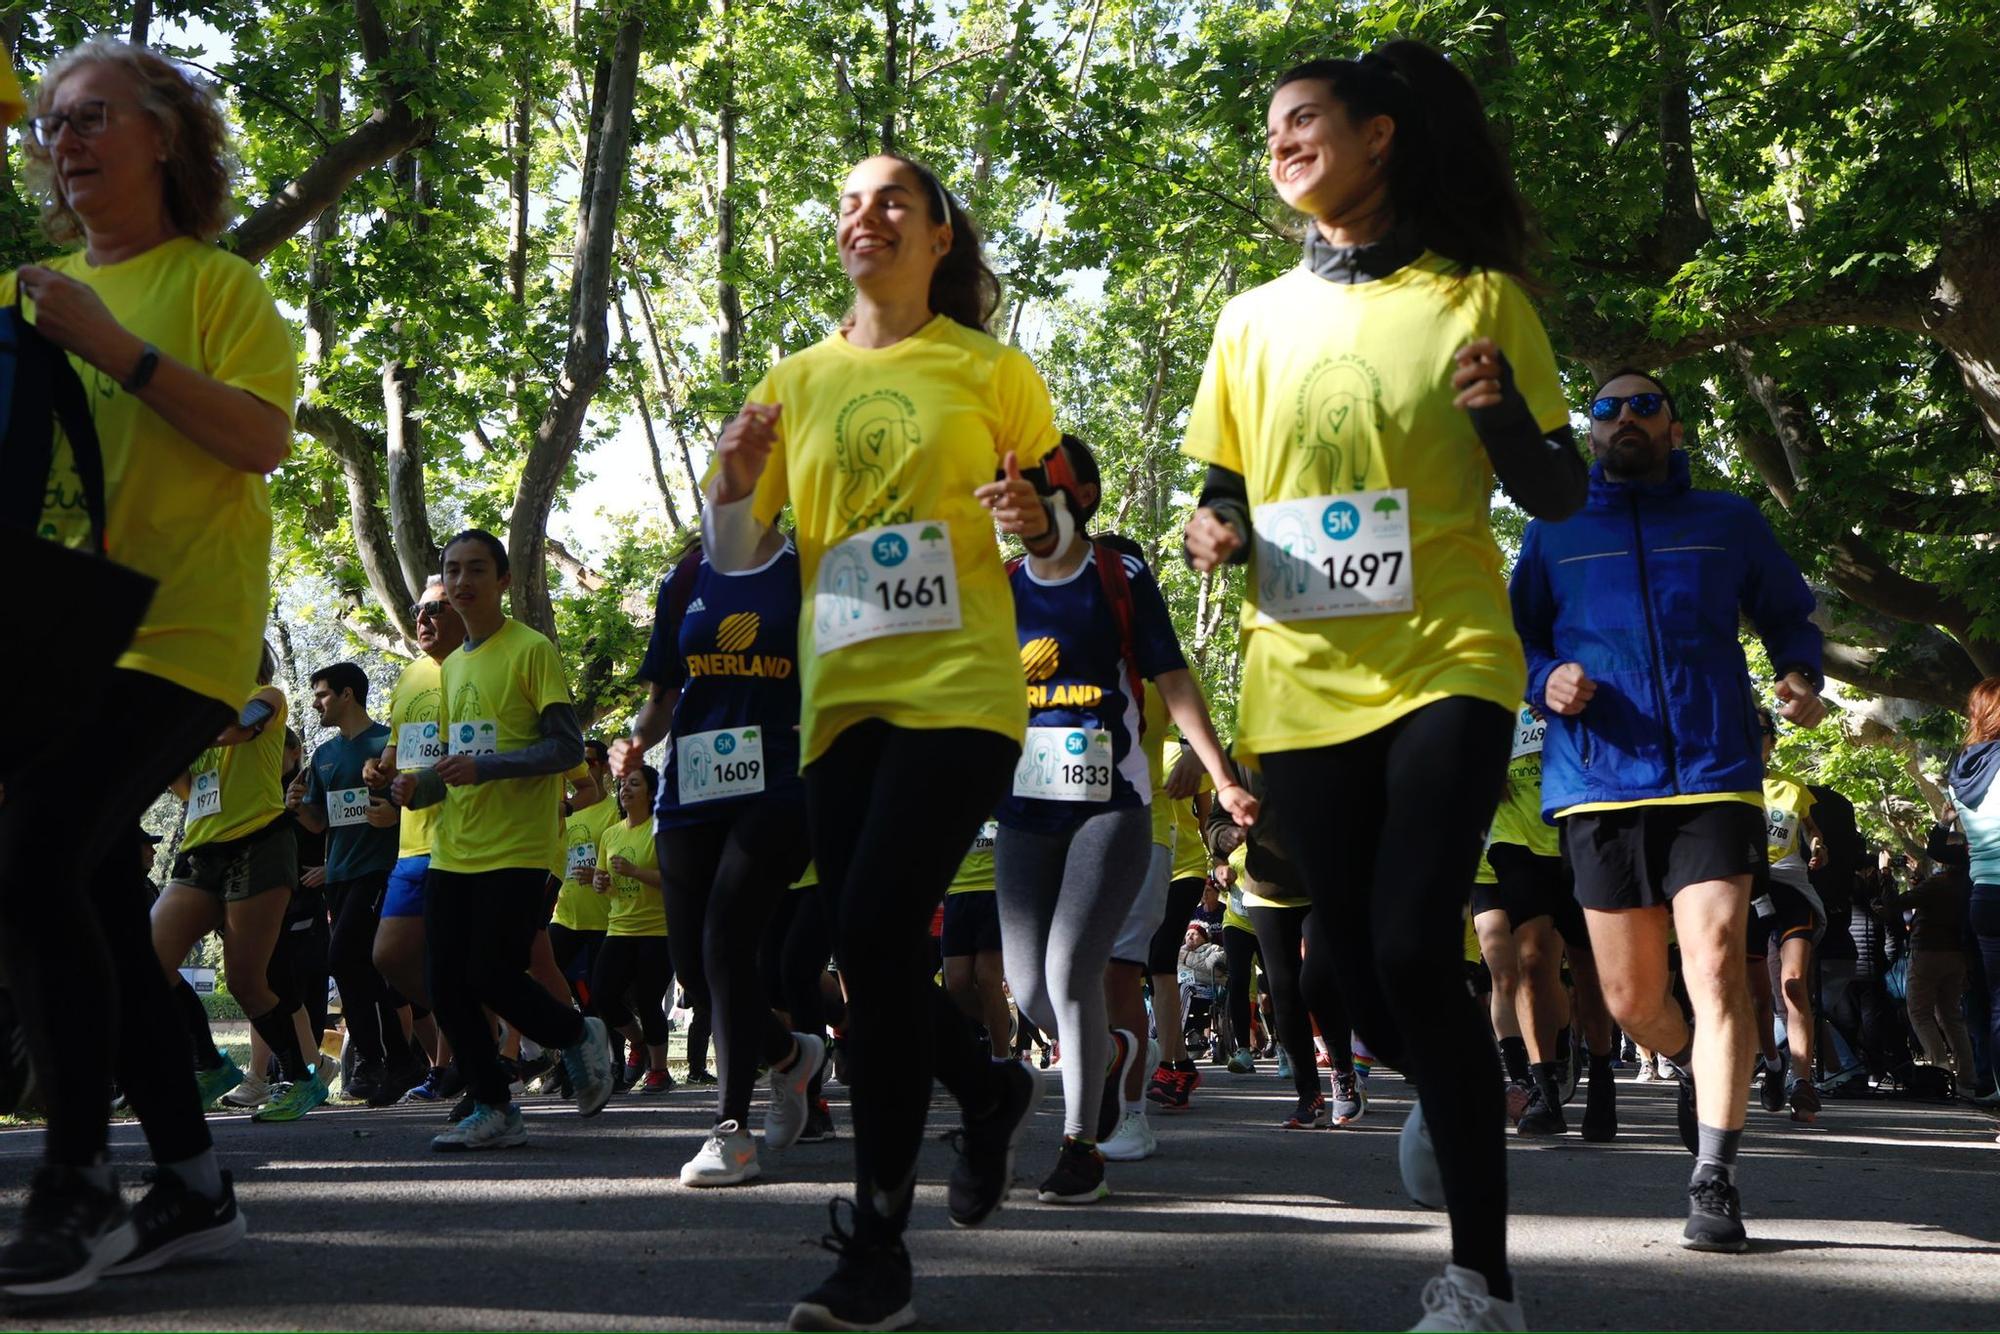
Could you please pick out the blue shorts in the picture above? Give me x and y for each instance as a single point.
(405, 895)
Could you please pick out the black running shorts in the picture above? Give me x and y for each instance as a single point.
(1641, 856)
(971, 923)
(1529, 886)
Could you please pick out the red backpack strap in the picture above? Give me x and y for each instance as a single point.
(1118, 592)
(1014, 563)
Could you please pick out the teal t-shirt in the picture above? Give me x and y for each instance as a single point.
(354, 847)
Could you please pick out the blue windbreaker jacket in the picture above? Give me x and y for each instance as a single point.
(1643, 587)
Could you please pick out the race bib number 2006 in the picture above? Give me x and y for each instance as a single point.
(899, 579)
(346, 806)
(1345, 555)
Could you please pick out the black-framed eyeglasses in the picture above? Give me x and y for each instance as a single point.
(1643, 405)
(433, 609)
(88, 119)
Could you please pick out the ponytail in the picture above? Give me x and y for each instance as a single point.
(963, 287)
(1448, 180)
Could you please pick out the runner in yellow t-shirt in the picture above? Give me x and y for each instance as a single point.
(634, 972)
(886, 439)
(190, 375)
(510, 735)
(237, 869)
(1355, 414)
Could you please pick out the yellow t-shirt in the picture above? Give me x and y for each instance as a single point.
(12, 104)
(975, 873)
(200, 527)
(1685, 799)
(579, 906)
(1313, 389)
(505, 683)
(252, 785)
(636, 908)
(1159, 748)
(903, 434)
(1191, 859)
(1252, 895)
(415, 700)
(1787, 802)
(1519, 821)
(810, 878)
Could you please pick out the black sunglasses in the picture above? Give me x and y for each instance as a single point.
(430, 609)
(1643, 405)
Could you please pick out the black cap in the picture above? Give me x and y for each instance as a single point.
(148, 836)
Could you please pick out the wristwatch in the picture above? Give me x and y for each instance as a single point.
(142, 374)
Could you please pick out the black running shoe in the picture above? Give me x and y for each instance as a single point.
(868, 1289)
(71, 1232)
(1544, 1115)
(1113, 1103)
(1684, 1112)
(1773, 1091)
(1715, 1214)
(819, 1124)
(461, 1109)
(1600, 1107)
(701, 1078)
(174, 1222)
(1079, 1175)
(985, 1166)
(369, 1081)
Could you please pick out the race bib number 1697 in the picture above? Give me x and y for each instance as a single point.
(1345, 555)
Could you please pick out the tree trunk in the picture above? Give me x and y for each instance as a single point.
(665, 381)
(891, 73)
(728, 300)
(142, 22)
(646, 420)
(584, 363)
(409, 515)
(520, 145)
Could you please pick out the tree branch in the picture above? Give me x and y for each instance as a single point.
(360, 452)
(571, 564)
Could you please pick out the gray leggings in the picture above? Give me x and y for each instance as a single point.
(1062, 899)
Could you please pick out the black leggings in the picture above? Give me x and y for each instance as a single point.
(722, 880)
(630, 980)
(576, 955)
(1239, 949)
(893, 810)
(75, 940)
(364, 996)
(1386, 830)
(479, 930)
(1303, 989)
(793, 962)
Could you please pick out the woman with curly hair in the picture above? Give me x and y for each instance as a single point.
(191, 379)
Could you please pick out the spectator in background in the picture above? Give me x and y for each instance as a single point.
(1970, 780)
(1937, 954)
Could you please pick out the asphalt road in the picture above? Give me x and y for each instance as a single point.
(1886, 1215)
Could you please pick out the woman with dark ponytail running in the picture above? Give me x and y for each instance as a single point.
(1354, 414)
(886, 439)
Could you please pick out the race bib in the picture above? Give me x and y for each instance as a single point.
(346, 806)
(205, 798)
(419, 745)
(1064, 764)
(1528, 733)
(899, 579)
(728, 762)
(988, 835)
(1763, 906)
(1346, 555)
(582, 857)
(474, 736)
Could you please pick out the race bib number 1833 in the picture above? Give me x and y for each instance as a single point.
(1064, 764)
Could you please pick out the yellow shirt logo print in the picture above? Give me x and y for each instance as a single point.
(737, 632)
(1039, 658)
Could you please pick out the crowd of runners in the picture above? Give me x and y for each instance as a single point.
(925, 807)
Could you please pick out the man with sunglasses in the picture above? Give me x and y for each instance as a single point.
(1628, 612)
(416, 741)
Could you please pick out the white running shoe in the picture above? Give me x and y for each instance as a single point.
(486, 1128)
(254, 1091)
(1416, 1156)
(729, 1158)
(1459, 1300)
(1133, 1141)
(589, 1064)
(785, 1118)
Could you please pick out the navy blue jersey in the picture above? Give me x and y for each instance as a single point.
(358, 848)
(1075, 668)
(733, 653)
